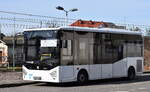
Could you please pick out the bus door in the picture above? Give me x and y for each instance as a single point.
(95, 60)
(119, 65)
(83, 58)
(67, 60)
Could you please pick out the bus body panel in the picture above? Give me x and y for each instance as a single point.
(103, 54)
(120, 68)
(42, 75)
(95, 71)
(66, 73)
(133, 61)
(70, 73)
(106, 71)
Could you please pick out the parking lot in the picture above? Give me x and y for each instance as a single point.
(15, 84)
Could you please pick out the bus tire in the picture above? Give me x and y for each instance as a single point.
(82, 77)
(131, 73)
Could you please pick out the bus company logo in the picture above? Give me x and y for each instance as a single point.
(30, 76)
(24, 72)
(37, 67)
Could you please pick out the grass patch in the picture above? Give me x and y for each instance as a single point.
(9, 69)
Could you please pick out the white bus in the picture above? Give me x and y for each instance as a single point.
(68, 54)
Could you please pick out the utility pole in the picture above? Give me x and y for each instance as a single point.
(14, 44)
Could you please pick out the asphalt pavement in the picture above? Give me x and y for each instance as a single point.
(140, 84)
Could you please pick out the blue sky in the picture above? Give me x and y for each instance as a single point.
(120, 11)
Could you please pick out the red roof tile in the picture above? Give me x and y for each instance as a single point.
(93, 24)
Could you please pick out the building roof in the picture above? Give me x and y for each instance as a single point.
(95, 24)
(83, 23)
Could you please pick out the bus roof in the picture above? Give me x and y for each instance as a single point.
(86, 29)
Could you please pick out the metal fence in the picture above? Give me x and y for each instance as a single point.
(12, 23)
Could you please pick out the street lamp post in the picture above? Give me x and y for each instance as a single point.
(66, 11)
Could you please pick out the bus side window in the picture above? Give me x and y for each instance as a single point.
(67, 58)
(67, 47)
(64, 43)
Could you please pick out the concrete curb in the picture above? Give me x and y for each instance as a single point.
(8, 83)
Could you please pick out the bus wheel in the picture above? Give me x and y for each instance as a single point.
(82, 77)
(131, 73)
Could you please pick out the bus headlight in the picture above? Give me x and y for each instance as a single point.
(53, 74)
(24, 73)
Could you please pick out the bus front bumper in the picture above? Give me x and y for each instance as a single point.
(41, 75)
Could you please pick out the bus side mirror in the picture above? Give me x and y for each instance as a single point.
(60, 34)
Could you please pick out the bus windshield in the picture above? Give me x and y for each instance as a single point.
(49, 55)
(42, 48)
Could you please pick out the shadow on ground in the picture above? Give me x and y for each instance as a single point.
(144, 78)
(16, 84)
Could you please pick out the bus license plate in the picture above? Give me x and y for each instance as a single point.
(37, 78)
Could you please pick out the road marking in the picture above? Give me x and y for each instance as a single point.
(121, 91)
(142, 88)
